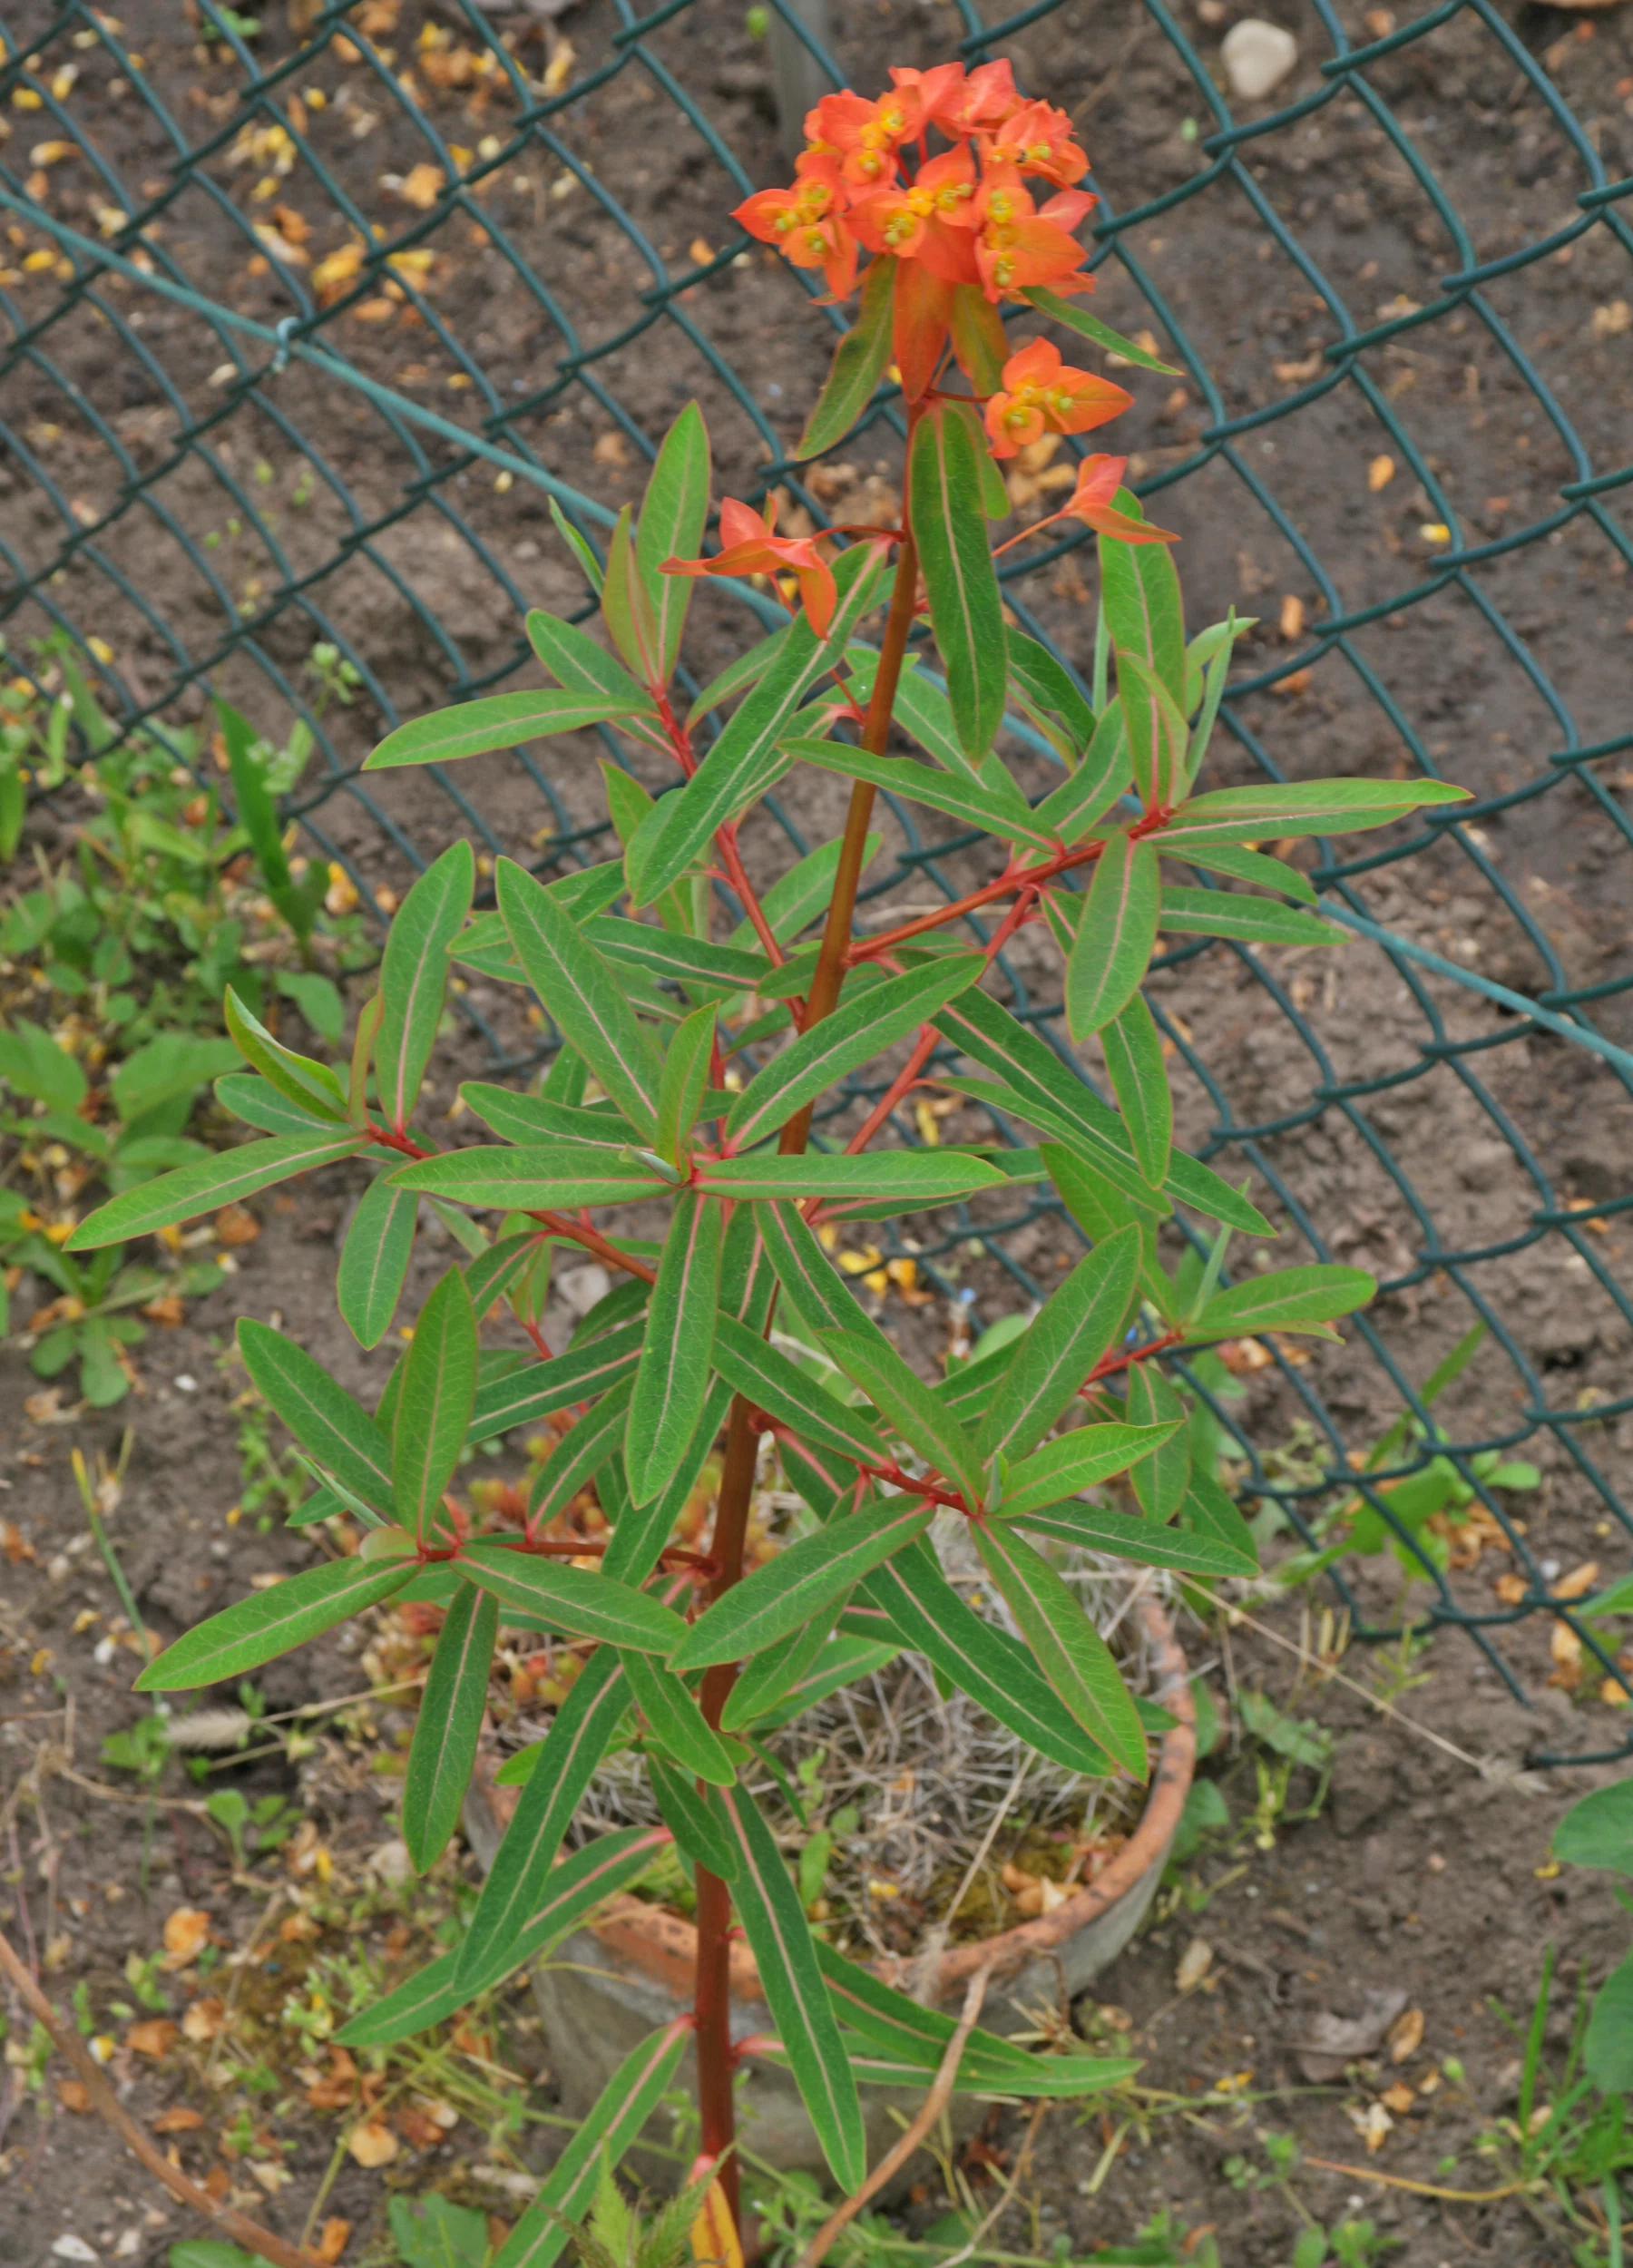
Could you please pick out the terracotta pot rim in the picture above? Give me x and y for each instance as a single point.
(663, 1945)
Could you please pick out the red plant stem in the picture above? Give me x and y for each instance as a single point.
(900, 1086)
(832, 961)
(711, 1990)
(1030, 878)
(1130, 1355)
(712, 2000)
(680, 749)
(907, 1078)
(565, 1548)
(556, 1223)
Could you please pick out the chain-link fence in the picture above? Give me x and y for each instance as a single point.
(309, 317)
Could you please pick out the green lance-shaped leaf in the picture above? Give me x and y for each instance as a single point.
(949, 528)
(1116, 936)
(1144, 612)
(677, 1723)
(903, 1176)
(639, 1536)
(763, 1681)
(983, 804)
(1289, 1299)
(685, 1077)
(1046, 1093)
(495, 1273)
(324, 1419)
(766, 1376)
(579, 1735)
(583, 995)
(1062, 1344)
(918, 2037)
(256, 1102)
(1049, 691)
(574, 657)
(1087, 326)
(258, 815)
(844, 1659)
(531, 1121)
(310, 1085)
(444, 1747)
(578, 1375)
(693, 961)
(572, 1599)
(624, 605)
(699, 1835)
(1067, 1647)
(271, 1622)
(209, 1184)
(968, 1388)
(996, 1672)
(1103, 772)
(579, 1455)
(1138, 1541)
(1281, 808)
(674, 1376)
(799, 1582)
(620, 2112)
(1089, 1138)
(484, 943)
(434, 1408)
(908, 1404)
(575, 1888)
(499, 720)
(1155, 729)
(549, 1178)
(1162, 1479)
(921, 709)
(786, 1957)
(858, 363)
(747, 758)
(841, 1043)
(812, 1286)
(674, 513)
(1607, 2042)
(1251, 866)
(1078, 1461)
(414, 977)
(373, 1260)
(1227, 913)
(1133, 1050)
(1207, 1510)
(1597, 1830)
(828, 1483)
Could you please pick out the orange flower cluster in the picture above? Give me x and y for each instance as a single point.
(964, 217)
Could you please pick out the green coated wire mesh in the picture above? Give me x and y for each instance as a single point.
(307, 313)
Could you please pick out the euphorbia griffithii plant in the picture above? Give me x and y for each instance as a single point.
(684, 1084)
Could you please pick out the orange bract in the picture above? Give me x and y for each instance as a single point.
(1092, 502)
(749, 545)
(807, 223)
(1041, 394)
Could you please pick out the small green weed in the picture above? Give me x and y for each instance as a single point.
(73, 1136)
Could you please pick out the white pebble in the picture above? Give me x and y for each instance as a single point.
(1257, 57)
(71, 2248)
(584, 1289)
(391, 1862)
(186, 1385)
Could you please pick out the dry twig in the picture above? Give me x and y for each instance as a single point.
(230, 2223)
(900, 2151)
